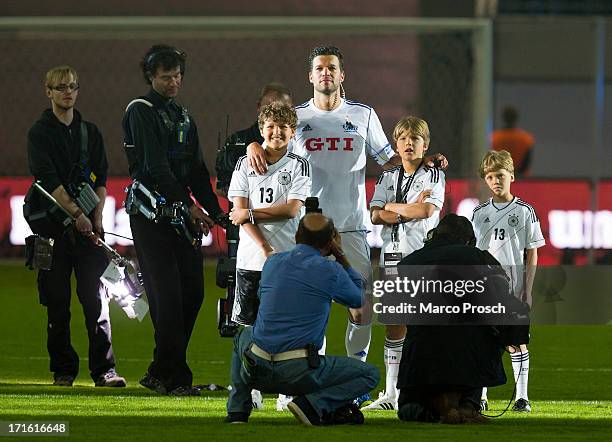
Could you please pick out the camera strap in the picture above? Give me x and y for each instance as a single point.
(84, 157)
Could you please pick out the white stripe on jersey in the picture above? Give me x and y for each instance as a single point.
(336, 143)
(288, 178)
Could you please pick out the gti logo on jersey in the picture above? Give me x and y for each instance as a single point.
(307, 127)
(418, 186)
(513, 221)
(315, 144)
(349, 127)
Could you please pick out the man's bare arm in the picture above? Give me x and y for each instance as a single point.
(257, 158)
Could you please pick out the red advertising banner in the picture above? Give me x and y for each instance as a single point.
(563, 207)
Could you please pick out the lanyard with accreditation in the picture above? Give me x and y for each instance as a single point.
(401, 194)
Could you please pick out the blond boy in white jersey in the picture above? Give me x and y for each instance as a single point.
(509, 229)
(407, 202)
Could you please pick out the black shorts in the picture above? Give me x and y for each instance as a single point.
(520, 334)
(246, 301)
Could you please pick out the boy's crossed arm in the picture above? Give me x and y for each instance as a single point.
(240, 214)
(395, 213)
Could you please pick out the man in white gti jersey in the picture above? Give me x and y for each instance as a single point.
(335, 135)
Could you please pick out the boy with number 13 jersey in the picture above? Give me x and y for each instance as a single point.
(509, 229)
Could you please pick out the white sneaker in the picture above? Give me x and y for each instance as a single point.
(257, 400)
(282, 401)
(382, 403)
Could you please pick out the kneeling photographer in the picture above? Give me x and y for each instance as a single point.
(279, 354)
(446, 363)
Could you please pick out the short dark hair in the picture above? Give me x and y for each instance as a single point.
(318, 238)
(325, 50)
(455, 228)
(167, 57)
(279, 88)
(510, 116)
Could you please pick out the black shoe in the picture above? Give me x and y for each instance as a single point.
(110, 379)
(522, 406)
(347, 415)
(303, 411)
(184, 391)
(152, 383)
(237, 418)
(63, 380)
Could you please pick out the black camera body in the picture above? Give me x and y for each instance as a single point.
(226, 279)
(312, 205)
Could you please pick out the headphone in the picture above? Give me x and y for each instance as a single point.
(148, 63)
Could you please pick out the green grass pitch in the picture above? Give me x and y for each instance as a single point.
(570, 383)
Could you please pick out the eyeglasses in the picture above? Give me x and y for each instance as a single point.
(65, 87)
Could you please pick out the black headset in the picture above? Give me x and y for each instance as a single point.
(151, 58)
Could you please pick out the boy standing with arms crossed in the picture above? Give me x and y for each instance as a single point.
(406, 202)
(510, 230)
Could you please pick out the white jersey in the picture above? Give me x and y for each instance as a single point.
(337, 143)
(410, 235)
(506, 230)
(288, 178)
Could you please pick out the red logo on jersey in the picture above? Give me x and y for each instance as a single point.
(315, 144)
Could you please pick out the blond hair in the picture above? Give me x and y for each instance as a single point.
(55, 75)
(494, 161)
(414, 125)
(279, 113)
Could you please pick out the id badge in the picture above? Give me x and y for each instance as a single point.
(391, 258)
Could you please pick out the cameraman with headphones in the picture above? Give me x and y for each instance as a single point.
(163, 151)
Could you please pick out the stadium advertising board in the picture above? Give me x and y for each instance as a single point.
(563, 207)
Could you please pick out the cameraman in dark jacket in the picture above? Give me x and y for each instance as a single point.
(163, 150)
(64, 152)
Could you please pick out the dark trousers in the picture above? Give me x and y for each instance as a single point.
(335, 383)
(425, 403)
(88, 261)
(174, 282)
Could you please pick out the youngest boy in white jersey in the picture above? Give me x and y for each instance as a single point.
(407, 202)
(509, 229)
(267, 207)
